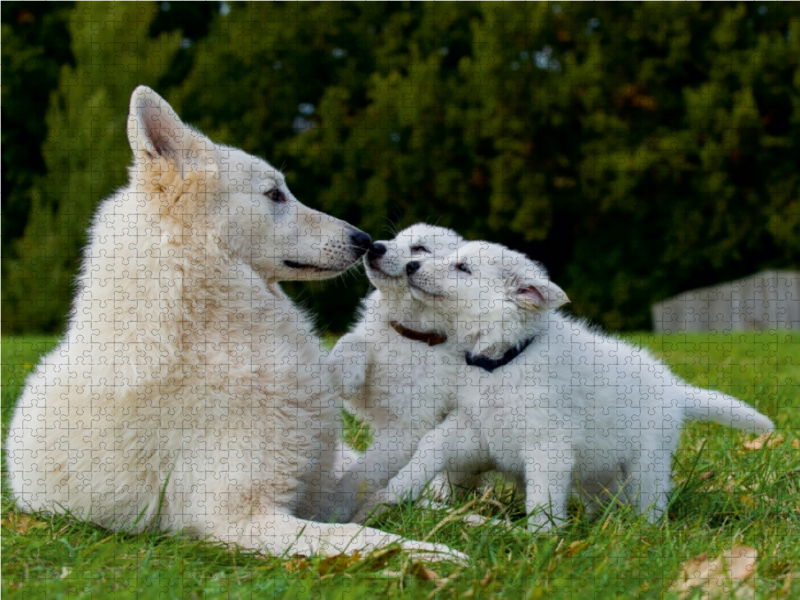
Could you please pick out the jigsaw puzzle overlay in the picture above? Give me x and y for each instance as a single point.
(247, 394)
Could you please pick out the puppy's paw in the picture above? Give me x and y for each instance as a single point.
(347, 364)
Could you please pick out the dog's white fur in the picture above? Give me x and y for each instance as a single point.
(576, 409)
(189, 393)
(401, 387)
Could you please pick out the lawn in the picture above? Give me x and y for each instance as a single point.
(728, 493)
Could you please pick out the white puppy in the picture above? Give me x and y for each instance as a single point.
(547, 397)
(398, 370)
(189, 393)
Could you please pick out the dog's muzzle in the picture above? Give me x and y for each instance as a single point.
(361, 242)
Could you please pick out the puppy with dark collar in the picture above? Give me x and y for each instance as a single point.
(547, 398)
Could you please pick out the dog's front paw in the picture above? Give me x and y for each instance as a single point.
(374, 505)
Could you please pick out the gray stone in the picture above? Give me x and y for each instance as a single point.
(766, 300)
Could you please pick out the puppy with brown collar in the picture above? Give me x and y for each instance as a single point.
(398, 369)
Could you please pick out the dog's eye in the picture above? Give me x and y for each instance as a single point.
(463, 268)
(417, 249)
(276, 195)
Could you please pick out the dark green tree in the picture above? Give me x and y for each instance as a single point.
(86, 153)
(638, 150)
(35, 46)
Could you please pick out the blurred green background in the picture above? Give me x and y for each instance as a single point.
(638, 150)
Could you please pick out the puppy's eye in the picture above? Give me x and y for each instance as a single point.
(463, 268)
(276, 195)
(418, 248)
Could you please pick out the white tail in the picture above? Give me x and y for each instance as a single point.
(710, 405)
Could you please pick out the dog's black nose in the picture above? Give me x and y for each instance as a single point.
(412, 267)
(360, 240)
(376, 251)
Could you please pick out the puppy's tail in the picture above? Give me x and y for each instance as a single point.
(710, 405)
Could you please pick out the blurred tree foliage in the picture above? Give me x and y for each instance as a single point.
(638, 150)
(85, 152)
(35, 45)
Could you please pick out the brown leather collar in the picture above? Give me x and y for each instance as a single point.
(432, 339)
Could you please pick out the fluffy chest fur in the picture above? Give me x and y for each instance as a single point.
(407, 383)
(178, 362)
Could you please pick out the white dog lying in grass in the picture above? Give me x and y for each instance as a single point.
(188, 393)
(398, 369)
(548, 398)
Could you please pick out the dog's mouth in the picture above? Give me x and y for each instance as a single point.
(425, 292)
(307, 268)
(375, 271)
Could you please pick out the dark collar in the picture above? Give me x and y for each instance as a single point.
(490, 364)
(432, 339)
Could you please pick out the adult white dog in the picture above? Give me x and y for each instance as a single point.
(548, 398)
(189, 393)
(398, 368)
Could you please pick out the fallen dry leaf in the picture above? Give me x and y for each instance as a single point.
(421, 572)
(374, 562)
(338, 563)
(762, 440)
(22, 524)
(298, 563)
(719, 576)
(417, 569)
(575, 547)
(795, 443)
(707, 475)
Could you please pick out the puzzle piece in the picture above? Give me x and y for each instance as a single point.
(189, 394)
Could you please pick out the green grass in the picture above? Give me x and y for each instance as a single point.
(724, 495)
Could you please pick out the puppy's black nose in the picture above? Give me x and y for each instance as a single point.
(412, 267)
(361, 241)
(376, 251)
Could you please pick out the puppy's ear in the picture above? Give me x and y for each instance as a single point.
(539, 295)
(156, 132)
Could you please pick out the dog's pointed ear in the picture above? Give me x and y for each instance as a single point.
(155, 130)
(544, 295)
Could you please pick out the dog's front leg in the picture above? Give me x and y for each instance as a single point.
(280, 533)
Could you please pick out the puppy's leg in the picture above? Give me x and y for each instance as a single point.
(362, 478)
(347, 363)
(548, 480)
(393, 447)
(337, 501)
(649, 483)
(443, 487)
(455, 445)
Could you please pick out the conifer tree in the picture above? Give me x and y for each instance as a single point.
(86, 153)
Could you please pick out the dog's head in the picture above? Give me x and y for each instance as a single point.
(239, 199)
(386, 260)
(488, 293)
